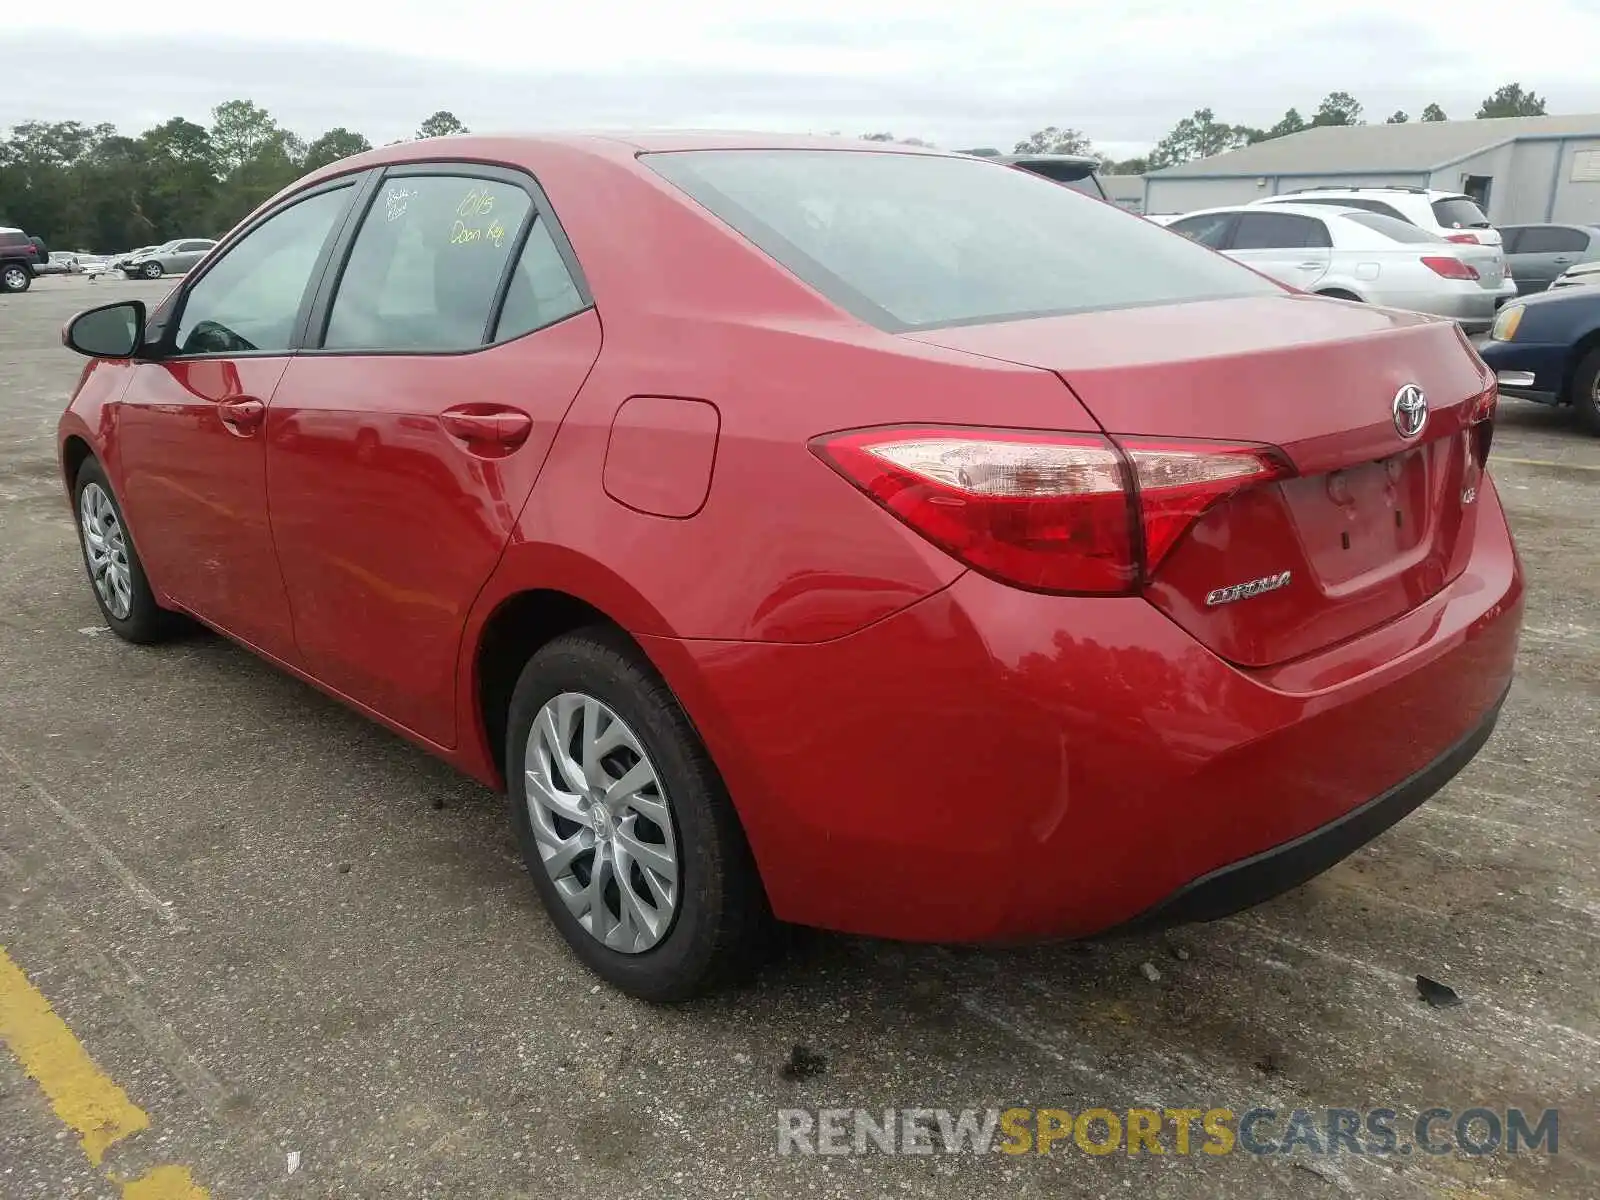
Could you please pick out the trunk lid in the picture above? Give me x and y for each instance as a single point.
(1370, 525)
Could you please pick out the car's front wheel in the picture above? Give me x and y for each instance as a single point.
(115, 572)
(14, 278)
(1586, 391)
(624, 823)
(151, 270)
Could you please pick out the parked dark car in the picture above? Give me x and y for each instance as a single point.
(1540, 253)
(20, 256)
(1547, 348)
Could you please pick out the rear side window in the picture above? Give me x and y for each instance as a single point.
(1393, 229)
(541, 291)
(426, 265)
(1266, 230)
(910, 241)
(1458, 212)
(1552, 239)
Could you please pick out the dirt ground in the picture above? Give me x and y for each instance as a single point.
(294, 940)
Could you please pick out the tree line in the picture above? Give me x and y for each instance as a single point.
(1201, 135)
(88, 187)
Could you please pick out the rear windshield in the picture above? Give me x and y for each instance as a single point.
(1079, 177)
(1394, 230)
(910, 241)
(1458, 212)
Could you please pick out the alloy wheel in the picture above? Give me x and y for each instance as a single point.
(602, 822)
(14, 278)
(105, 545)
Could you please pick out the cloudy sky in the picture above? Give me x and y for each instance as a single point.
(960, 73)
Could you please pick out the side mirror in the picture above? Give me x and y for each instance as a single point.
(110, 331)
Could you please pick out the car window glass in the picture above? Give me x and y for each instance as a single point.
(908, 241)
(250, 297)
(1552, 239)
(426, 264)
(1459, 212)
(1394, 230)
(1510, 235)
(1207, 229)
(541, 291)
(1277, 231)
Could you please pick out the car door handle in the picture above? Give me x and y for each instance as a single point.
(487, 425)
(1310, 266)
(1563, 260)
(242, 415)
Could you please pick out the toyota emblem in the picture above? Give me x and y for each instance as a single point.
(1410, 411)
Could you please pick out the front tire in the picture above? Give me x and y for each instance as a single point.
(115, 573)
(151, 270)
(14, 278)
(1585, 389)
(625, 826)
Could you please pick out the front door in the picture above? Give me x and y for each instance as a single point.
(190, 428)
(401, 453)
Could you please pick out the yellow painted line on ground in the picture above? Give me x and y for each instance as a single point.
(82, 1095)
(1543, 462)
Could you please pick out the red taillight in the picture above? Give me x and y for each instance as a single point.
(1069, 513)
(1450, 268)
(1470, 239)
(1481, 423)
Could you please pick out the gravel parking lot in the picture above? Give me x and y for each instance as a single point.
(296, 941)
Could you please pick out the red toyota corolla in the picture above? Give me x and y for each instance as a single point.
(870, 538)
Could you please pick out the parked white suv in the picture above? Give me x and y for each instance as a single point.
(1454, 216)
(1353, 254)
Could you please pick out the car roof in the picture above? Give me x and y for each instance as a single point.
(1318, 211)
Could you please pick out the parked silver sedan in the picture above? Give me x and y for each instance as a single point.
(1353, 254)
(170, 258)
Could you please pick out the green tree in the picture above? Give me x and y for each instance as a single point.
(441, 124)
(1398, 117)
(1198, 136)
(240, 131)
(1290, 122)
(1051, 140)
(1434, 113)
(1137, 165)
(1509, 100)
(1338, 108)
(332, 146)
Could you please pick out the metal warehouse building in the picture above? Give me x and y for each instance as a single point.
(1519, 169)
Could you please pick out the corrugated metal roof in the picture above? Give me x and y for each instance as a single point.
(1414, 146)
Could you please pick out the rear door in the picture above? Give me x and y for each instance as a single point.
(1545, 251)
(1291, 248)
(404, 441)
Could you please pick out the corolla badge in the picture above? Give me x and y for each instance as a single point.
(1243, 591)
(1410, 411)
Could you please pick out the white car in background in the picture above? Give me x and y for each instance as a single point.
(1354, 254)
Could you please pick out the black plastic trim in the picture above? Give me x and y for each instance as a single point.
(1250, 881)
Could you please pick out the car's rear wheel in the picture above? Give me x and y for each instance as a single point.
(624, 823)
(115, 572)
(14, 278)
(1585, 390)
(151, 270)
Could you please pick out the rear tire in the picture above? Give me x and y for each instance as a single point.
(14, 278)
(1336, 294)
(592, 694)
(1585, 391)
(116, 576)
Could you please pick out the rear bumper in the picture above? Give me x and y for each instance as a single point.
(1251, 881)
(995, 765)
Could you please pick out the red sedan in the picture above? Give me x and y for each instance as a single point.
(863, 537)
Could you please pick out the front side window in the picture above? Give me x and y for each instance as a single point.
(426, 265)
(1209, 229)
(249, 299)
(915, 241)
